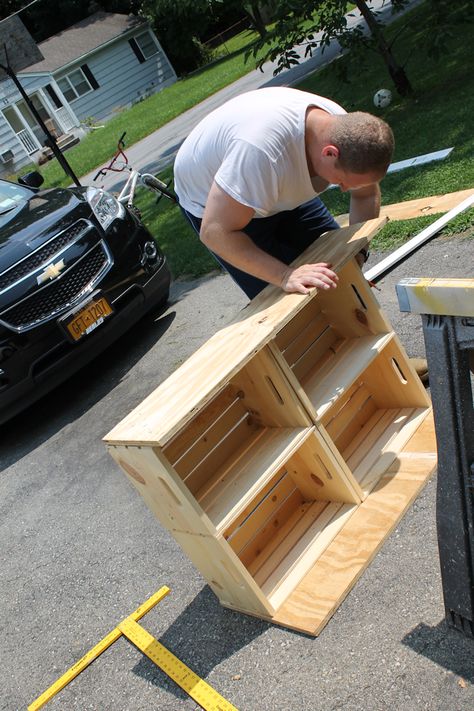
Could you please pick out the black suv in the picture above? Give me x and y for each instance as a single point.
(77, 268)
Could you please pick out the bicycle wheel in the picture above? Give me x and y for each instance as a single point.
(158, 186)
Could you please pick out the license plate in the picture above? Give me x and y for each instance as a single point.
(82, 322)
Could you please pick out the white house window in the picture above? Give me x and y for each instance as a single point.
(143, 46)
(77, 83)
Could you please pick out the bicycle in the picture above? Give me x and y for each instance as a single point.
(147, 180)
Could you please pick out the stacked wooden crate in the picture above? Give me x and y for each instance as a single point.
(283, 452)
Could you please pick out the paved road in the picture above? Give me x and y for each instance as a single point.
(79, 551)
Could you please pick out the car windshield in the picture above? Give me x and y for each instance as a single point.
(12, 196)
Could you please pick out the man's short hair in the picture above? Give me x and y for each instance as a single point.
(365, 142)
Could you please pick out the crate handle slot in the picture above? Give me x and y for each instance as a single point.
(399, 371)
(317, 480)
(361, 300)
(132, 472)
(274, 390)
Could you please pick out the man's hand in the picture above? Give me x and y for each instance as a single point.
(302, 279)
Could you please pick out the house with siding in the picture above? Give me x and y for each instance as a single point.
(88, 73)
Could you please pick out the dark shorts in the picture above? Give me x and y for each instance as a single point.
(284, 235)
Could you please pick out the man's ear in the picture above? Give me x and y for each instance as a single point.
(330, 151)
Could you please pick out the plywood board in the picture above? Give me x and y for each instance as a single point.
(417, 208)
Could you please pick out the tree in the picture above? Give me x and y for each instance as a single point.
(298, 21)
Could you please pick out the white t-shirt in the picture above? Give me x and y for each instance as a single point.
(253, 146)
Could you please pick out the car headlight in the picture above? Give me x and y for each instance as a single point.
(105, 207)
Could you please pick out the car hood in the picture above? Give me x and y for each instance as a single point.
(45, 214)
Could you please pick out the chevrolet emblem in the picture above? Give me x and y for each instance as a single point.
(50, 272)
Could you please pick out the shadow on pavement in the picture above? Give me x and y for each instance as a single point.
(71, 399)
(221, 634)
(444, 646)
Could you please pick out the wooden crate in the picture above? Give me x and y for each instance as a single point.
(295, 427)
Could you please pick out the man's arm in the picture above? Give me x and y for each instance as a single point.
(221, 231)
(365, 204)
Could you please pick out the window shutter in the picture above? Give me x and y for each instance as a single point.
(53, 96)
(137, 51)
(90, 77)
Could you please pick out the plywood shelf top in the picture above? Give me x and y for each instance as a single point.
(177, 399)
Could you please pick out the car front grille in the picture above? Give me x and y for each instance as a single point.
(56, 296)
(37, 258)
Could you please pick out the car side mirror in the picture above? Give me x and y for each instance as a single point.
(31, 180)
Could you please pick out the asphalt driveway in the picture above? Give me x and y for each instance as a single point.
(79, 551)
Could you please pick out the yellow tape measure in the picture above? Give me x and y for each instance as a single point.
(201, 692)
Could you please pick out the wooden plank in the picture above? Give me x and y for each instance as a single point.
(268, 538)
(320, 350)
(239, 485)
(328, 383)
(309, 332)
(200, 423)
(311, 604)
(395, 438)
(224, 572)
(368, 436)
(177, 400)
(381, 444)
(217, 431)
(310, 548)
(293, 544)
(352, 309)
(408, 209)
(255, 516)
(228, 450)
(349, 415)
(290, 528)
(386, 265)
(162, 489)
(309, 314)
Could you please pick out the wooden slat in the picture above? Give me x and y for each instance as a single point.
(395, 437)
(300, 519)
(330, 381)
(320, 350)
(216, 431)
(267, 538)
(238, 485)
(348, 416)
(306, 552)
(290, 543)
(223, 457)
(308, 333)
(255, 516)
(309, 314)
(200, 423)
